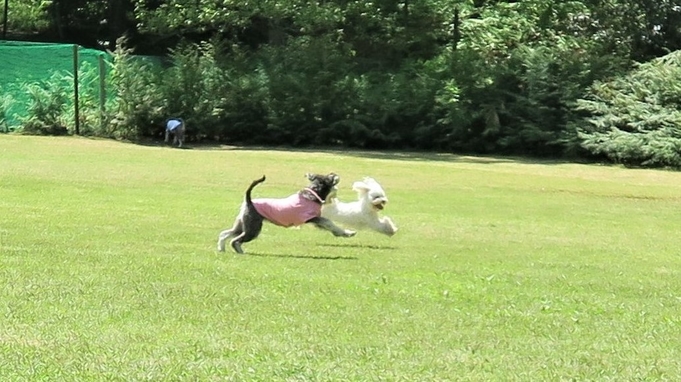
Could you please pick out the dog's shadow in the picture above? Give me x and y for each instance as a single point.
(320, 257)
(302, 257)
(366, 246)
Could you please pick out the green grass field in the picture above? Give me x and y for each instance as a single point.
(503, 270)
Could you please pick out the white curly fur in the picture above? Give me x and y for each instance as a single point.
(363, 213)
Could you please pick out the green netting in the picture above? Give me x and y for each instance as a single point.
(26, 62)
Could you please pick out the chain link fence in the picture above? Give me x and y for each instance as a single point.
(27, 64)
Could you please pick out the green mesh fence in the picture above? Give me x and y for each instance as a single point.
(23, 63)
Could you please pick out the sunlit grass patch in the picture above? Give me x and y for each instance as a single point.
(502, 269)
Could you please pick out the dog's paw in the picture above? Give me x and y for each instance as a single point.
(390, 231)
(387, 227)
(349, 233)
(237, 247)
(343, 233)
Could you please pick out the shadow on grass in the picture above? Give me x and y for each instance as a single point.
(379, 247)
(160, 143)
(417, 156)
(302, 257)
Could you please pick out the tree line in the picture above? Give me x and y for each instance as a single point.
(582, 79)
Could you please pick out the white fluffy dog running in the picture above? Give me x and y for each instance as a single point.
(362, 214)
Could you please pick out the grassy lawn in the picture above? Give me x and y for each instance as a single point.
(502, 270)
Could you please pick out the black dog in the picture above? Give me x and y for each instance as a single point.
(302, 207)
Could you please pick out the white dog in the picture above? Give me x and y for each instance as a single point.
(362, 214)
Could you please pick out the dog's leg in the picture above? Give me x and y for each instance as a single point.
(244, 237)
(251, 225)
(236, 230)
(226, 234)
(236, 242)
(328, 225)
(180, 134)
(384, 225)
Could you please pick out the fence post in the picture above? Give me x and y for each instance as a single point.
(75, 89)
(102, 91)
(4, 22)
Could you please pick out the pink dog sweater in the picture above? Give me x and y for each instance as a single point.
(294, 210)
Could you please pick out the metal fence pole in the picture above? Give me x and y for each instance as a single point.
(4, 22)
(75, 89)
(102, 91)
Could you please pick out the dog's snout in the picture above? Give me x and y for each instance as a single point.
(379, 204)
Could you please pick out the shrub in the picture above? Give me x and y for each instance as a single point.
(136, 108)
(6, 102)
(634, 119)
(243, 115)
(91, 120)
(48, 101)
(191, 86)
(306, 85)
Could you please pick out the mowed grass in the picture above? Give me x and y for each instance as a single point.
(502, 269)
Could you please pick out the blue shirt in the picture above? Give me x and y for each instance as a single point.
(172, 124)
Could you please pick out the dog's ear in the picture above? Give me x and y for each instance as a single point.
(360, 187)
(335, 179)
(372, 183)
(311, 176)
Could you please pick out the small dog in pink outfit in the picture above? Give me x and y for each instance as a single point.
(302, 207)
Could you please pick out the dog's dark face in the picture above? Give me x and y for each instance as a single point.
(323, 185)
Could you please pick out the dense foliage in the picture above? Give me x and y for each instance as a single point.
(532, 77)
(635, 119)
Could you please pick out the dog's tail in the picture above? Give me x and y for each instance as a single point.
(249, 201)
